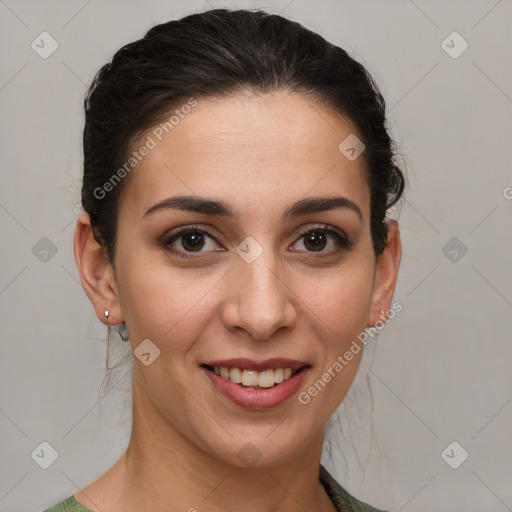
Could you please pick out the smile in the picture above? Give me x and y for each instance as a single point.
(254, 378)
(257, 385)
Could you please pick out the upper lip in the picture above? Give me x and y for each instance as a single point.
(251, 364)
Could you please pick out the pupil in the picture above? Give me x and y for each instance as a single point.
(192, 241)
(318, 241)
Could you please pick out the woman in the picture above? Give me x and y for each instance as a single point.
(237, 175)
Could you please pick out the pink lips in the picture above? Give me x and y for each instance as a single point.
(258, 398)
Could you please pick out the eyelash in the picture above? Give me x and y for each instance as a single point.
(341, 239)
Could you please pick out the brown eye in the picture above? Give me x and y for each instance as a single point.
(315, 241)
(321, 238)
(191, 240)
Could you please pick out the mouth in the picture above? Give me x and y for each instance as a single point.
(257, 386)
(251, 378)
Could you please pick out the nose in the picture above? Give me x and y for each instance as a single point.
(259, 300)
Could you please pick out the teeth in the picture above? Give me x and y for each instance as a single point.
(235, 375)
(250, 378)
(264, 379)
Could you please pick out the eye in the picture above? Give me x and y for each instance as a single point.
(190, 240)
(319, 238)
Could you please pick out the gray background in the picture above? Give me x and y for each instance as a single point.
(441, 367)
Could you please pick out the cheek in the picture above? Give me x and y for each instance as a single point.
(340, 302)
(163, 303)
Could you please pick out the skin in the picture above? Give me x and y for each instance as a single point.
(259, 155)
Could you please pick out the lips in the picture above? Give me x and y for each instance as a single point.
(255, 397)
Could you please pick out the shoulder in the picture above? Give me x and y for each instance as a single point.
(343, 501)
(68, 505)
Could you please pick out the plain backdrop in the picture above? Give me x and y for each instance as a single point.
(441, 368)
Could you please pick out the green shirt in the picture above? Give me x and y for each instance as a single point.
(342, 500)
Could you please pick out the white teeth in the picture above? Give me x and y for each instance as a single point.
(250, 378)
(264, 379)
(235, 375)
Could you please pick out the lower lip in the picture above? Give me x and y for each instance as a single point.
(258, 398)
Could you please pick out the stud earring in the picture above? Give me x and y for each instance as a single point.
(106, 313)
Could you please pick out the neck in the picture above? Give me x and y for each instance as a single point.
(163, 470)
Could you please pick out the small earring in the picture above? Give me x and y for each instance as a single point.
(106, 313)
(121, 329)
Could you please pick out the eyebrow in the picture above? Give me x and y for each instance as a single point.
(213, 207)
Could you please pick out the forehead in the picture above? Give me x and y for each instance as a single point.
(248, 150)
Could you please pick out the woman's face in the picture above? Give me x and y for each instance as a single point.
(245, 282)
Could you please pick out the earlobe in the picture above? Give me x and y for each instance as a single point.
(386, 274)
(96, 273)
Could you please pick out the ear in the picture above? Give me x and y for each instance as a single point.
(386, 273)
(96, 273)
